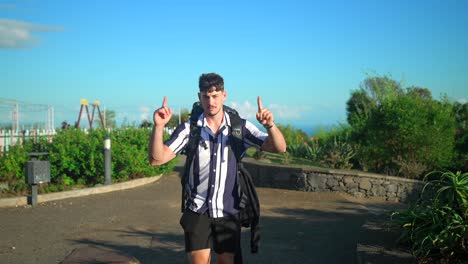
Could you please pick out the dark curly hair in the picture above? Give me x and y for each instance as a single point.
(209, 80)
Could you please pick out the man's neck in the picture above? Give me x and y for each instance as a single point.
(214, 122)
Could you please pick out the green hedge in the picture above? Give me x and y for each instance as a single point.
(76, 158)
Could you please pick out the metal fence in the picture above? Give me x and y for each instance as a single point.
(9, 137)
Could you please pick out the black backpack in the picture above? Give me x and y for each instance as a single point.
(249, 204)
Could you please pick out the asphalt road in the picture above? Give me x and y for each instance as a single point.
(297, 227)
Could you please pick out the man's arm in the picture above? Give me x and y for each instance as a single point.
(158, 153)
(275, 141)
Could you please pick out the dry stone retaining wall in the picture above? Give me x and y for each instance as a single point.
(315, 179)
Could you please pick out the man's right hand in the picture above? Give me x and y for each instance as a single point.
(163, 114)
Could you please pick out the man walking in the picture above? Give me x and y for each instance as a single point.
(210, 216)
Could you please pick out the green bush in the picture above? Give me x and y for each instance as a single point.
(12, 164)
(437, 224)
(337, 154)
(76, 154)
(400, 133)
(461, 139)
(77, 158)
(130, 155)
(293, 136)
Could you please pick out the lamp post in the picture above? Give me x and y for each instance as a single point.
(107, 160)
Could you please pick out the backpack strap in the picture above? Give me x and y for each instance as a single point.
(235, 137)
(190, 150)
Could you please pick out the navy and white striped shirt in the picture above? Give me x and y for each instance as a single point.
(213, 172)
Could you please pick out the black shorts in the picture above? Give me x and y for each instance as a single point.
(201, 232)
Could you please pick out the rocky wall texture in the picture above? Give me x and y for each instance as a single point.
(315, 179)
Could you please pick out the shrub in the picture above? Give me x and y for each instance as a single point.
(76, 154)
(12, 164)
(400, 133)
(313, 151)
(77, 158)
(437, 224)
(337, 154)
(293, 136)
(130, 155)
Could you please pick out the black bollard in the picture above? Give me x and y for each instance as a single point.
(107, 161)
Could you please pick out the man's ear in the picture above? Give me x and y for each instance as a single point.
(199, 97)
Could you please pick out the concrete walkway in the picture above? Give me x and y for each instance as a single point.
(141, 225)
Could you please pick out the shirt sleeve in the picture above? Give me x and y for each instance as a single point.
(179, 138)
(253, 137)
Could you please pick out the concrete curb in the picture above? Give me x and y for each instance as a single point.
(41, 198)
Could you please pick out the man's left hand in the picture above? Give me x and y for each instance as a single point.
(264, 116)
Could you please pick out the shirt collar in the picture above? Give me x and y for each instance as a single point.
(203, 123)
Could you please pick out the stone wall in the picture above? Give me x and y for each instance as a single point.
(315, 179)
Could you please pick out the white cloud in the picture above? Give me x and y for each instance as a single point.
(19, 34)
(246, 110)
(462, 101)
(145, 112)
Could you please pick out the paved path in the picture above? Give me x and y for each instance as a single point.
(297, 227)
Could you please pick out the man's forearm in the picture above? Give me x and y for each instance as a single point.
(275, 141)
(156, 146)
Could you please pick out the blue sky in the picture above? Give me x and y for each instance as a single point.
(303, 57)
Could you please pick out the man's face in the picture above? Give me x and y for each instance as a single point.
(212, 101)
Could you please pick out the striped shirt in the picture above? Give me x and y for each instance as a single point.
(213, 172)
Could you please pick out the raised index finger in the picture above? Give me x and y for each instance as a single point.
(164, 102)
(259, 103)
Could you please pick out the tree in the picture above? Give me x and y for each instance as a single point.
(372, 92)
(380, 89)
(109, 119)
(398, 132)
(461, 114)
(423, 93)
(174, 122)
(146, 124)
(358, 107)
(460, 110)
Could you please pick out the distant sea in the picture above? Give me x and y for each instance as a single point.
(311, 129)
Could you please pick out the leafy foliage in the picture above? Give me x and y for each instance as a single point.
(77, 154)
(438, 223)
(77, 157)
(130, 155)
(337, 154)
(184, 116)
(292, 135)
(397, 132)
(460, 111)
(12, 164)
